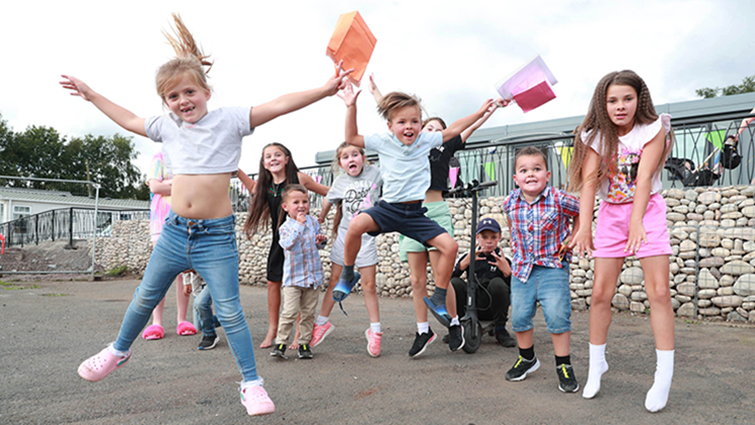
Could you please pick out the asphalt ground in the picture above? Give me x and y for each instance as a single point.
(51, 327)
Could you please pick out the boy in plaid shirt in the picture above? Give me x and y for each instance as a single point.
(300, 238)
(538, 217)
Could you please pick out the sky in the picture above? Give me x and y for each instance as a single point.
(449, 53)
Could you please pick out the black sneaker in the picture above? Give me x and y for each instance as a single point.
(504, 338)
(305, 352)
(521, 368)
(208, 342)
(455, 337)
(567, 382)
(279, 351)
(421, 341)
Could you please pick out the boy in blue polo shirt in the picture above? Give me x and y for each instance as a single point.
(405, 170)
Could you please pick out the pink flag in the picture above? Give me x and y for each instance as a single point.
(532, 98)
(318, 179)
(530, 86)
(453, 175)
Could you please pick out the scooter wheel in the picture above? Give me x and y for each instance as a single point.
(472, 338)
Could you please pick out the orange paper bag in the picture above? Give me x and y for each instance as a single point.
(353, 43)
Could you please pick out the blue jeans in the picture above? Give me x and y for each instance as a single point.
(550, 287)
(209, 247)
(205, 320)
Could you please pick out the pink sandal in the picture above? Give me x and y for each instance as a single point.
(101, 364)
(186, 328)
(153, 332)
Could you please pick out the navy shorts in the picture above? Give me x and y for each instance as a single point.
(408, 219)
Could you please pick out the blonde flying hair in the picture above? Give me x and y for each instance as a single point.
(597, 122)
(393, 101)
(189, 60)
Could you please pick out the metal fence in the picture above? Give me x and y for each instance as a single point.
(697, 140)
(65, 224)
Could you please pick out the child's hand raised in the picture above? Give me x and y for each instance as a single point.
(486, 106)
(501, 262)
(348, 95)
(78, 87)
(338, 81)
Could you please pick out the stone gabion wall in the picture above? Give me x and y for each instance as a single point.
(712, 270)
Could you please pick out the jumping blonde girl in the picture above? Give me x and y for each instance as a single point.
(199, 232)
(620, 149)
(277, 169)
(357, 189)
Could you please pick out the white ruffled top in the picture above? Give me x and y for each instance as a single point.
(619, 187)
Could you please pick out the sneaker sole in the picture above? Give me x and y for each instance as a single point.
(429, 341)
(367, 335)
(564, 391)
(305, 357)
(534, 367)
(210, 347)
(330, 329)
(443, 319)
(462, 341)
(280, 355)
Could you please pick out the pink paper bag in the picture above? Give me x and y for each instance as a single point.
(536, 96)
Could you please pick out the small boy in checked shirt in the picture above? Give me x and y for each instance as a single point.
(300, 238)
(538, 217)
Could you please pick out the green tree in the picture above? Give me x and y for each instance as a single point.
(41, 152)
(746, 86)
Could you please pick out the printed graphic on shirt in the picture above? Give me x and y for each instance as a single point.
(358, 197)
(623, 182)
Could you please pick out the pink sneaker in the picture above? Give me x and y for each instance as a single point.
(373, 342)
(319, 332)
(101, 364)
(256, 401)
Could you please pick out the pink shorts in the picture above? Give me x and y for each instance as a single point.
(612, 230)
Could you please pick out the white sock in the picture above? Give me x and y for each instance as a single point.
(321, 320)
(664, 371)
(115, 352)
(249, 384)
(375, 327)
(454, 321)
(423, 327)
(598, 367)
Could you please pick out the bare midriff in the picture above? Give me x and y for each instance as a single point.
(202, 196)
(433, 196)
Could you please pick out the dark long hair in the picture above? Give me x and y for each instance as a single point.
(259, 211)
(599, 122)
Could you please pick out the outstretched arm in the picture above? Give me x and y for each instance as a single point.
(460, 125)
(374, 89)
(477, 124)
(349, 97)
(307, 181)
(246, 181)
(294, 101)
(120, 115)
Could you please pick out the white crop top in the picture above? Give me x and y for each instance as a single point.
(619, 188)
(212, 145)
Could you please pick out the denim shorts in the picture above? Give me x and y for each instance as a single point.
(550, 287)
(408, 219)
